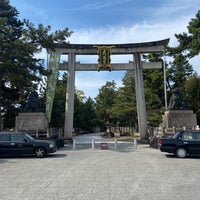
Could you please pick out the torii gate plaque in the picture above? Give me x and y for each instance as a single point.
(136, 49)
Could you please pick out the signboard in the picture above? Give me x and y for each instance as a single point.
(104, 57)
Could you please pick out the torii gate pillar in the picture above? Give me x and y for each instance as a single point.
(140, 97)
(69, 106)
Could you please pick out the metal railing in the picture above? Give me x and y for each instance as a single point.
(102, 141)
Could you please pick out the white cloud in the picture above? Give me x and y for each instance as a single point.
(114, 35)
(143, 32)
(98, 5)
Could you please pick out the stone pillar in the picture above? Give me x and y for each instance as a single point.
(69, 107)
(140, 97)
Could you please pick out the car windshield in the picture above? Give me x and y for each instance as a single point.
(28, 136)
(175, 136)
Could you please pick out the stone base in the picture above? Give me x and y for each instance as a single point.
(179, 119)
(35, 121)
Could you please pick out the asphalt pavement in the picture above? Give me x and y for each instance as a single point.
(125, 173)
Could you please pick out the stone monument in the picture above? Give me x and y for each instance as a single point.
(178, 115)
(32, 119)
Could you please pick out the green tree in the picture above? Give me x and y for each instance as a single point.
(189, 43)
(90, 118)
(20, 71)
(154, 90)
(78, 110)
(191, 90)
(10, 32)
(194, 35)
(84, 113)
(124, 107)
(179, 71)
(188, 47)
(104, 103)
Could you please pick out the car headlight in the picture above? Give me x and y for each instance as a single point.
(51, 145)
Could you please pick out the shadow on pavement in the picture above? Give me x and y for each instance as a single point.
(172, 156)
(56, 155)
(17, 156)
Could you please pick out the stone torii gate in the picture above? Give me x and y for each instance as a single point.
(136, 49)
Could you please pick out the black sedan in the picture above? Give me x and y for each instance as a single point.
(18, 143)
(181, 144)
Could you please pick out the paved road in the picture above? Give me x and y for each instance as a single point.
(85, 174)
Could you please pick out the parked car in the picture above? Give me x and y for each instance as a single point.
(182, 144)
(19, 143)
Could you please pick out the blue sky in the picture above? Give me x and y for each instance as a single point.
(110, 21)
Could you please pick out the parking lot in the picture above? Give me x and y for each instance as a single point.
(93, 174)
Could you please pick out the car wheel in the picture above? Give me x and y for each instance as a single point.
(181, 152)
(39, 152)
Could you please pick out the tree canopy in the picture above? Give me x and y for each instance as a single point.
(20, 70)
